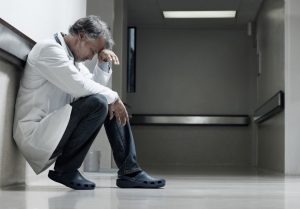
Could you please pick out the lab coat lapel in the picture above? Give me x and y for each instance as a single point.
(64, 45)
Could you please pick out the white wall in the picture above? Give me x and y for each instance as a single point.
(292, 85)
(38, 20)
(41, 19)
(12, 164)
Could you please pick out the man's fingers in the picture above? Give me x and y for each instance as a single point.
(118, 117)
(121, 113)
(116, 60)
(108, 55)
(124, 121)
(113, 58)
(111, 116)
(111, 113)
(122, 117)
(127, 118)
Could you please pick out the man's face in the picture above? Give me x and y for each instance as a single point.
(86, 48)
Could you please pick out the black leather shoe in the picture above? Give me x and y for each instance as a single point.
(73, 180)
(141, 180)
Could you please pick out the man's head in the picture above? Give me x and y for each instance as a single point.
(89, 36)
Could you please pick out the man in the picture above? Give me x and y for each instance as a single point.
(61, 107)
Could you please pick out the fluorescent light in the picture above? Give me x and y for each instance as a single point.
(199, 14)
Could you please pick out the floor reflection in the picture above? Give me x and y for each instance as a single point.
(182, 191)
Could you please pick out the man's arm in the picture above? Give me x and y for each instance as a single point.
(117, 109)
(102, 74)
(56, 67)
(103, 69)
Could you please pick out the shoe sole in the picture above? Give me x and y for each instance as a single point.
(122, 183)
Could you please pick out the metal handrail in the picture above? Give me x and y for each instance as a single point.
(14, 45)
(188, 120)
(270, 108)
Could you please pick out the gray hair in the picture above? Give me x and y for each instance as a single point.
(93, 27)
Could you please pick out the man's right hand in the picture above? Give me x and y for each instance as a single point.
(118, 110)
(107, 55)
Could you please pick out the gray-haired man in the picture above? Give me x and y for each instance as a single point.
(61, 107)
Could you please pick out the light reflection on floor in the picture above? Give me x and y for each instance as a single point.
(183, 191)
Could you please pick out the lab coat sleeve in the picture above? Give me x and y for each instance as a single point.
(101, 74)
(55, 66)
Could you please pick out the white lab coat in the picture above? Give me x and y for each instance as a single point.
(51, 81)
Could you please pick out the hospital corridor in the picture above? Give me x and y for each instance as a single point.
(150, 104)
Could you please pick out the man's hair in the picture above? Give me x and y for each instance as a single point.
(93, 27)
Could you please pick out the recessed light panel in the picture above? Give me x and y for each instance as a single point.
(199, 14)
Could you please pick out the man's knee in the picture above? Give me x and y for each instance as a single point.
(98, 101)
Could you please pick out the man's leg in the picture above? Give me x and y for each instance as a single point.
(88, 115)
(130, 175)
(123, 147)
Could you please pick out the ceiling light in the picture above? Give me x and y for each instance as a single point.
(199, 14)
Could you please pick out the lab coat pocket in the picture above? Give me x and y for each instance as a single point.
(29, 123)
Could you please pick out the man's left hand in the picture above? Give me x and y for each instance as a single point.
(118, 110)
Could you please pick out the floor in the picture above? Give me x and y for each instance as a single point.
(207, 190)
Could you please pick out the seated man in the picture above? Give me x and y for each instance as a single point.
(61, 107)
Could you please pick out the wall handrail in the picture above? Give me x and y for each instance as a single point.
(14, 45)
(190, 120)
(270, 108)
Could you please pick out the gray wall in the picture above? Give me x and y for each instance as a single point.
(292, 80)
(120, 48)
(270, 39)
(104, 9)
(114, 13)
(191, 71)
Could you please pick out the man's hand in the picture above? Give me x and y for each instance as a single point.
(107, 55)
(118, 110)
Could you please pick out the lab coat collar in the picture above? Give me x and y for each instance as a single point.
(64, 45)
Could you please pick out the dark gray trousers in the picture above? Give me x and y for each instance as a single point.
(87, 117)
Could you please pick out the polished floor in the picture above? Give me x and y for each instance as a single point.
(207, 190)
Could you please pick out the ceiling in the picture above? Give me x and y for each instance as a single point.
(148, 13)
